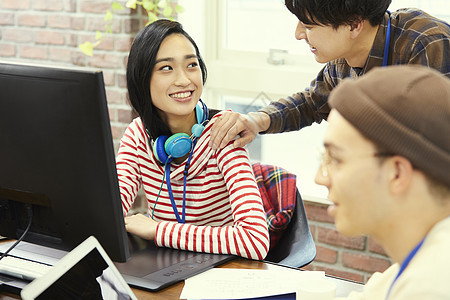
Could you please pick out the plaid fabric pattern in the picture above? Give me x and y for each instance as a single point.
(416, 38)
(279, 193)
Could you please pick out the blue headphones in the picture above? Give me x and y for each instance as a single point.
(180, 144)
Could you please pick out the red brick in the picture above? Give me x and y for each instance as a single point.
(78, 58)
(33, 52)
(58, 54)
(50, 38)
(15, 4)
(117, 132)
(105, 61)
(48, 5)
(341, 274)
(109, 78)
(71, 39)
(375, 247)
(127, 11)
(7, 50)
(70, 5)
(326, 255)
(124, 116)
(94, 24)
(333, 237)
(125, 61)
(114, 97)
(17, 35)
(312, 228)
(77, 23)
(55, 21)
(131, 25)
(318, 212)
(364, 262)
(6, 19)
(122, 81)
(112, 114)
(99, 7)
(32, 20)
(123, 43)
(107, 43)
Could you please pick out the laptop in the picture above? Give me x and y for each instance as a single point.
(86, 272)
(150, 267)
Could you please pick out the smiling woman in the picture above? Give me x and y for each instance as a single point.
(199, 199)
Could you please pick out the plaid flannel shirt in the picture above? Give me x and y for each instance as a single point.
(416, 38)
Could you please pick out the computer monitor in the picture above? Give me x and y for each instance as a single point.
(57, 154)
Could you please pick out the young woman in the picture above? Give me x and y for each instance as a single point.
(199, 199)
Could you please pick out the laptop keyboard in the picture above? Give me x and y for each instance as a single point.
(22, 268)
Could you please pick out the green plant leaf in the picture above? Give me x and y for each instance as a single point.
(108, 15)
(179, 9)
(131, 4)
(116, 6)
(152, 17)
(161, 4)
(167, 12)
(98, 35)
(87, 48)
(148, 5)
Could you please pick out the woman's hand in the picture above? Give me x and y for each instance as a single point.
(231, 124)
(141, 226)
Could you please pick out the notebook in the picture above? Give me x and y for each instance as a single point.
(86, 272)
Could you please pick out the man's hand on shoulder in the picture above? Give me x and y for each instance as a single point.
(232, 124)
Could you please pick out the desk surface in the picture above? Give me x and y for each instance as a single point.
(173, 292)
(344, 287)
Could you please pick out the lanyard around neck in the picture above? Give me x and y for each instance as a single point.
(387, 41)
(169, 188)
(405, 263)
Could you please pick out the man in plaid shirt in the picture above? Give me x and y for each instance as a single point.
(351, 37)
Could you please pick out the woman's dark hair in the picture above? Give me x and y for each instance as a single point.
(338, 12)
(141, 62)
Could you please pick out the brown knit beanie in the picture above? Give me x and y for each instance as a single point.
(405, 110)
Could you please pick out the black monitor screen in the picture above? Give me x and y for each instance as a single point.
(57, 154)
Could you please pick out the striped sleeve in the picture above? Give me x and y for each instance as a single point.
(128, 167)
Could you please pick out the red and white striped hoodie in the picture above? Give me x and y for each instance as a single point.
(224, 210)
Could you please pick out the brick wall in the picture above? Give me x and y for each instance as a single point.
(354, 258)
(49, 32)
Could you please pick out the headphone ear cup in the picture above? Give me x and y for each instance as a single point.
(197, 130)
(199, 113)
(178, 145)
(158, 149)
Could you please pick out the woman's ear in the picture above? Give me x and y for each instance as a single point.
(401, 173)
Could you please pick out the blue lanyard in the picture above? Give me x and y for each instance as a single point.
(169, 188)
(387, 41)
(405, 264)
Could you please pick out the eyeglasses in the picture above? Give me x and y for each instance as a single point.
(327, 161)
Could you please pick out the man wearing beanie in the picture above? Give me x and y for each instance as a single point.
(387, 169)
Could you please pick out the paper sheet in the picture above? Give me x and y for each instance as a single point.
(223, 283)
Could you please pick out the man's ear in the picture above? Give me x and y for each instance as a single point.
(355, 28)
(401, 173)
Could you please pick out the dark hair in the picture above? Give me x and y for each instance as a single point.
(338, 12)
(141, 62)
